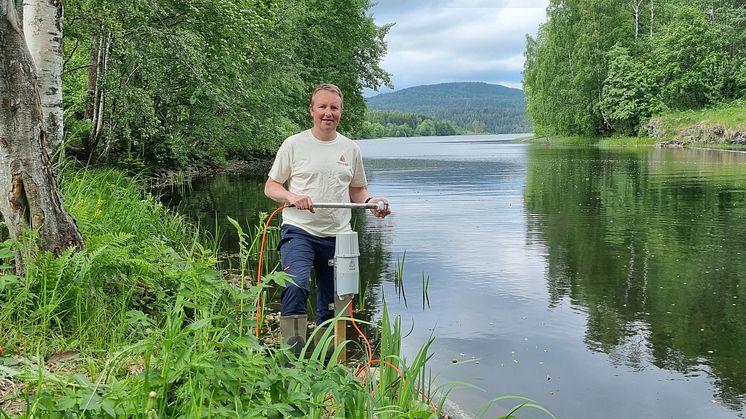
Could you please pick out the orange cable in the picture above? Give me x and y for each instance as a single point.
(384, 362)
(259, 268)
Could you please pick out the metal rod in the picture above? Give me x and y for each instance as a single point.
(370, 205)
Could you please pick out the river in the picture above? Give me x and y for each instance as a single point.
(599, 282)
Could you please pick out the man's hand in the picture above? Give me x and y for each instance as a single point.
(303, 202)
(380, 213)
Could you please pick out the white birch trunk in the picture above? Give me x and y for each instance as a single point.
(42, 26)
(636, 6)
(29, 196)
(96, 88)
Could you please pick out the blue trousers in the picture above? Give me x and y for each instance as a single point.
(299, 252)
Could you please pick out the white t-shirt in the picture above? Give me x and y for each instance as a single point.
(323, 170)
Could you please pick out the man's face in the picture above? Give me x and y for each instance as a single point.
(326, 110)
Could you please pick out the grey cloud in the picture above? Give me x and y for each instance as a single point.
(458, 40)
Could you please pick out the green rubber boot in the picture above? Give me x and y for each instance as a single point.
(293, 330)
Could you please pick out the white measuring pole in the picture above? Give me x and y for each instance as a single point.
(370, 205)
(346, 269)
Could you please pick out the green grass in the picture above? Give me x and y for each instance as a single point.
(142, 323)
(731, 115)
(560, 140)
(625, 141)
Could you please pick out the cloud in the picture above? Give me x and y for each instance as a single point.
(440, 41)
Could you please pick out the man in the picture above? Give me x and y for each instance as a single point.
(317, 165)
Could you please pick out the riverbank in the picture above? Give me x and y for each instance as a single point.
(722, 128)
(598, 141)
(144, 323)
(169, 176)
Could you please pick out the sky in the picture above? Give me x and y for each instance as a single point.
(439, 41)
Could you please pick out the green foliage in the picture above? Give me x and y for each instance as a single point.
(720, 125)
(687, 57)
(204, 81)
(588, 73)
(469, 107)
(82, 299)
(628, 97)
(566, 65)
(381, 123)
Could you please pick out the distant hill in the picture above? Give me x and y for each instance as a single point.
(472, 106)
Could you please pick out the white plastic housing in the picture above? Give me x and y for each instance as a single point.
(346, 269)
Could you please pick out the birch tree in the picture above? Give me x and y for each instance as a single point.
(29, 196)
(42, 25)
(636, 10)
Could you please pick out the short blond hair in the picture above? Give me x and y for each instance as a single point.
(329, 88)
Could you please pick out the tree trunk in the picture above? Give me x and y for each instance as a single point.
(636, 6)
(29, 197)
(96, 79)
(42, 26)
(652, 18)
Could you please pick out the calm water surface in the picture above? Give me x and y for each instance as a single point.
(602, 283)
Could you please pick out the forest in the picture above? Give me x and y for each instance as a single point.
(471, 107)
(381, 123)
(605, 67)
(175, 83)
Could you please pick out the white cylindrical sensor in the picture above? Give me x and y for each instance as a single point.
(346, 269)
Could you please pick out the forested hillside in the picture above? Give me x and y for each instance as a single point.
(379, 123)
(167, 82)
(471, 107)
(604, 66)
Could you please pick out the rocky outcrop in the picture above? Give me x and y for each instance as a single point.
(655, 128)
(699, 133)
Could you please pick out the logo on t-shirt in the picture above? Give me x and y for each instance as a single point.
(342, 160)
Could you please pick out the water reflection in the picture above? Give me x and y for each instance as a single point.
(650, 244)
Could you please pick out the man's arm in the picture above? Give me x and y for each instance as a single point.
(358, 194)
(276, 191)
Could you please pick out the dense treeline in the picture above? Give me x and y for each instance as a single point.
(471, 107)
(380, 123)
(603, 66)
(178, 82)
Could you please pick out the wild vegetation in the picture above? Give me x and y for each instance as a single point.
(605, 67)
(155, 83)
(476, 108)
(143, 324)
